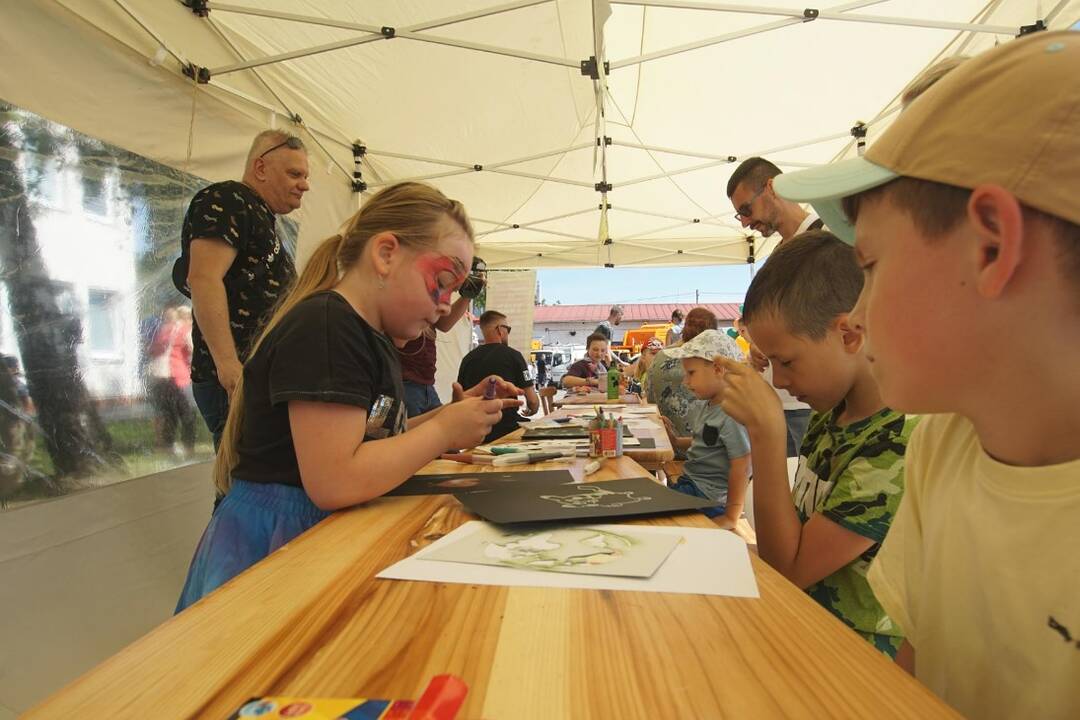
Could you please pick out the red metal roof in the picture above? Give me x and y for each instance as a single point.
(632, 313)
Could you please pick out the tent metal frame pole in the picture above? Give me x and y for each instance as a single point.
(537, 260)
(491, 49)
(545, 247)
(1052, 15)
(707, 220)
(669, 151)
(673, 173)
(666, 228)
(725, 161)
(542, 178)
(556, 233)
(723, 242)
(541, 246)
(295, 54)
(346, 25)
(149, 31)
(707, 42)
(540, 156)
(418, 178)
(503, 225)
(543, 231)
(478, 168)
(735, 35)
(821, 15)
(376, 33)
(894, 106)
(418, 158)
(600, 89)
(683, 224)
(226, 88)
(232, 46)
(701, 156)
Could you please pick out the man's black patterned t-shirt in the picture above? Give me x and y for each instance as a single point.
(261, 273)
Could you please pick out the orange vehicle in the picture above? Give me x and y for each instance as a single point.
(635, 339)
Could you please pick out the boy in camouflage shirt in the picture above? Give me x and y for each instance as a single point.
(850, 477)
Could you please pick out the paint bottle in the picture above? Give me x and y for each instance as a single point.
(613, 383)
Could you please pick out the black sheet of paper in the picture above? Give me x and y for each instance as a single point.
(563, 432)
(530, 503)
(448, 483)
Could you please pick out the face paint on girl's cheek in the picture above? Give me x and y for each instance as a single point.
(431, 266)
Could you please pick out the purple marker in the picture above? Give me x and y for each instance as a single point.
(492, 388)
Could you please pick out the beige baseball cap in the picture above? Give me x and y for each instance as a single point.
(1008, 117)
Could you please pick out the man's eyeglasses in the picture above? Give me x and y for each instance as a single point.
(292, 142)
(746, 211)
(508, 328)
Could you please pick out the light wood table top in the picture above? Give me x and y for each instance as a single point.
(312, 620)
(595, 398)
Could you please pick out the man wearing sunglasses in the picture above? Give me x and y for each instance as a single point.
(758, 208)
(233, 266)
(496, 357)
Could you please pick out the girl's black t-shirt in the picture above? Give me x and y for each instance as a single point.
(322, 351)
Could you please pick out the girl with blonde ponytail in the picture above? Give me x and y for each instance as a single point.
(317, 421)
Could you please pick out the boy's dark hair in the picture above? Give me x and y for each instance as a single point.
(807, 282)
(753, 171)
(491, 316)
(937, 208)
(593, 338)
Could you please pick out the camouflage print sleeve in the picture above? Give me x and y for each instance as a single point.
(867, 492)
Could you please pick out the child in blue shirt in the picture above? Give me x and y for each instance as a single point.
(718, 452)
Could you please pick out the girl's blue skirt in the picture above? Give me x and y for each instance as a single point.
(253, 520)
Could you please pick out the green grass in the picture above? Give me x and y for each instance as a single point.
(135, 441)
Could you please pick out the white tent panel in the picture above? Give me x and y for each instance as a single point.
(492, 83)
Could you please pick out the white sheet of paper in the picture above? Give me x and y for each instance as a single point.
(706, 562)
(583, 549)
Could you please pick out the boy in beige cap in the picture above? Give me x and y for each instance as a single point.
(966, 219)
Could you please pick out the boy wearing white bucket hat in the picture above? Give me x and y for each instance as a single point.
(718, 452)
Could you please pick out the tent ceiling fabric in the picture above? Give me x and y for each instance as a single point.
(502, 89)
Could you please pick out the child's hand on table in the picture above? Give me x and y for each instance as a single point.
(467, 422)
(506, 391)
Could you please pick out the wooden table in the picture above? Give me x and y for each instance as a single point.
(595, 398)
(312, 620)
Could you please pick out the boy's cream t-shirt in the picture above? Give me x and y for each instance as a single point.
(981, 570)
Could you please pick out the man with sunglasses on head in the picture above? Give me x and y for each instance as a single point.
(759, 208)
(233, 266)
(496, 357)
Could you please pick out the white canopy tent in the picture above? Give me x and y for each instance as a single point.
(622, 164)
(435, 89)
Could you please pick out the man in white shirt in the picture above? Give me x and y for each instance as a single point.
(759, 208)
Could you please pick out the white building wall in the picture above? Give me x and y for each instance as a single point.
(93, 256)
